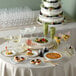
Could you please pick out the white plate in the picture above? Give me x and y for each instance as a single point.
(34, 54)
(4, 53)
(15, 62)
(52, 59)
(49, 40)
(34, 65)
(42, 64)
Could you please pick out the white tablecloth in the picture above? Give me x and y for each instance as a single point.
(8, 69)
(67, 69)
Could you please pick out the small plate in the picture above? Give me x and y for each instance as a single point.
(34, 65)
(15, 62)
(4, 53)
(49, 59)
(42, 64)
(34, 54)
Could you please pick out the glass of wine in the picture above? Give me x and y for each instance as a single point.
(16, 38)
(8, 38)
(33, 29)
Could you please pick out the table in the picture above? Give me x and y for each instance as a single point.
(68, 69)
(9, 69)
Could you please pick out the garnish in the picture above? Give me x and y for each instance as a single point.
(8, 52)
(6, 48)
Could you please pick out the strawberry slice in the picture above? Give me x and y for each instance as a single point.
(43, 39)
(29, 50)
(6, 48)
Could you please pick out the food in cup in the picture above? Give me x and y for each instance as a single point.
(45, 29)
(52, 32)
(29, 52)
(57, 39)
(41, 40)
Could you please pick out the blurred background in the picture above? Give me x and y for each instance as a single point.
(69, 6)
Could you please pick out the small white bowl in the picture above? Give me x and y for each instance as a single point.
(49, 59)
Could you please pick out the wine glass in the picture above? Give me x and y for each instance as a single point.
(24, 31)
(28, 31)
(8, 37)
(16, 38)
(33, 30)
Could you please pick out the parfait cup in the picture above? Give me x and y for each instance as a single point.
(45, 29)
(66, 40)
(52, 32)
(52, 35)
